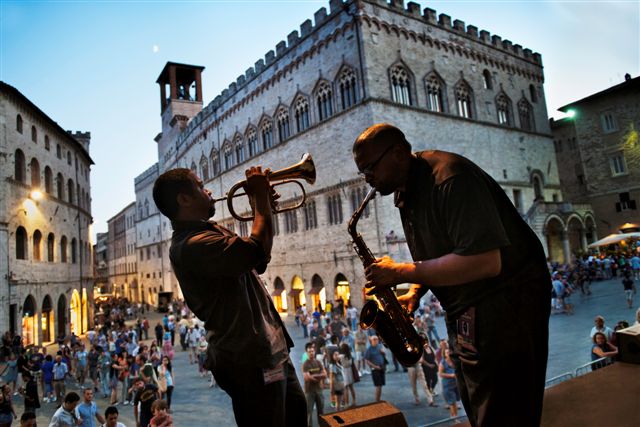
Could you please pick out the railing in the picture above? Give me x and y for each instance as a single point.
(588, 367)
(446, 422)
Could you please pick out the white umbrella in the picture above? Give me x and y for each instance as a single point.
(615, 238)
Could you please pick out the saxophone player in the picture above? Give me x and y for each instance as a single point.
(473, 250)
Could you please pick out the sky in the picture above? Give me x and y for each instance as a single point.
(92, 65)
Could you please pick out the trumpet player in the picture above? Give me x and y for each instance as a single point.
(473, 250)
(248, 351)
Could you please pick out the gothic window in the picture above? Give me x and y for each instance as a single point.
(276, 225)
(503, 107)
(533, 93)
(194, 168)
(464, 97)
(252, 142)
(310, 216)
(290, 222)
(204, 168)
(357, 196)
(302, 113)
(60, 186)
(618, 164)
(283, 124)
(20, 171)
(74, 249)
(400, 85)
(239, 149)
(63, 249)
(487, 81)
(435, 93)
(19, 123)
(347, 81)
(267, 134)
(243, 229)
(34, 134)
(37, 245)
(334, 209)
(35, 173)
(538, 185)
(70, 190)
(526, 115)
(146, 207)
(48, 180)
(215, 163)
(51, 242)
(21, 243)
(228, 155)
(324, 98)
(47, 143)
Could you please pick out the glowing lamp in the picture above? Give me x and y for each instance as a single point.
(36, 195)
(571, 113)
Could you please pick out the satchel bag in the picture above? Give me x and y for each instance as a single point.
(355, 373)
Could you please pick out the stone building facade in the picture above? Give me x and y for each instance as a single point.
(46, 272)
(101, 264)
(447, 85)
(599, 151)
(121, 254)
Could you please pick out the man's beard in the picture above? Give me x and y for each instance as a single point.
(212, 210)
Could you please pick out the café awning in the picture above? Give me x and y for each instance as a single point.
(614, 238)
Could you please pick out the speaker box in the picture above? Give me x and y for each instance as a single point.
(628, 340)
(380, 414)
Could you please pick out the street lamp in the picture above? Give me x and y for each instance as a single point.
(36, 195)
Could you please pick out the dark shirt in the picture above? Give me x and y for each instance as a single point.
(145, 398)
(218, 275)
(375, 355)
(31, 399)
(452, 206)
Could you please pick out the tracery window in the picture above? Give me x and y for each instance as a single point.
(228, 155)
(252, 142)
(204, 168)
(525, 112)
(324, 100)
(464, 98)
(347, 83)
(487, 80)
(334, 209)
(215, 163)
(284, 130)
(239, 149)
(503, 107)
(400, 85)
(435, 89)
(267, 134)
(357, 196)
(302, 113)
(310, 216)
(290, 222)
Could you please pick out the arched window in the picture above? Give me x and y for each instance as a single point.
(21, 243)
(20, 167)
(146, 207)
(310, 216)
(35, 173)
(301, 106)
(60, 186)
(227, 149)
(435, 92)
(357, 196)
(19, 123)
(48, 180)
(238, 143)
(37, 245)
(525, 112)
(34, 134)
(347, 81)
(252, 141)
(47, 143)
(487, 80)
(74, 249)
(58, 151)
(215, 162)
(503, 108)
(400, 85)
(284, 131)
(533, 93)
(70, 190)
(140, 212)
(324, 100)
(464, 99)
(51, 242)
(69, 158)
(204, 168)
(63, 249)
(334, 209)
(267, 134)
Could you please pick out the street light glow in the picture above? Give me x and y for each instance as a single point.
(36, 195)
(571, 113)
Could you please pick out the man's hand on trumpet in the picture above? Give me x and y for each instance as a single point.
(258, 186)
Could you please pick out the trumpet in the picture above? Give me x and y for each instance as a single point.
(304, 169)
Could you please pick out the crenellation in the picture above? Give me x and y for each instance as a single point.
(527, 53)
(458, 25)
(306, 27)
(507, 45)
(250, 73)
(270, 58)
(485, 36)
(240, 81)
(320, 16)
(293, 38)
(398, 4)
(472, 31)
(224, 95)
(281, 48)
(444, 21)
(537, 58)
(430, 15)
(259, 66)
(232, 88)
(517, 49)
(496, 41)
(413, 9)
(335, 6)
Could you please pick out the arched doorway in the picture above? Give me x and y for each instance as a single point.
(317, 292)
(29, 322)
(538, 186)
(575, 230)
(554, 231)
(298, 298)
(279, 295)
(47, 320)
(591, 234)
(342, 290)
(62, 316)
(75, 310)
(85, 311)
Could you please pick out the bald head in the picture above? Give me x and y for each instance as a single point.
(380, 136)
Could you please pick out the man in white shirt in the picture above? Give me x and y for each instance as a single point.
(111, 415)
(65, 415)
(600, 327)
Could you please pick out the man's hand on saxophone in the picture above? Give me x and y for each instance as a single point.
(385, 272)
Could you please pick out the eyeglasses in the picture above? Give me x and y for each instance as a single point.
(368, 170)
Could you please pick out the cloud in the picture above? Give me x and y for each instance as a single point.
(155, 48)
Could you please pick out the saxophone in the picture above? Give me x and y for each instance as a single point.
(384, 313)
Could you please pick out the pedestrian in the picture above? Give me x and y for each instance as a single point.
(602, 348)
(47, 379)
(11, 375)
(60, 372)
(28, 419)
(218, 274)
(429, 367)
(88, 410)
(7, 412)
(336, 380)
(472, 249)
(159, 330)
(314, 376)
(65, 415)
(377, 362)
(629, 288)
(161, 417)
(166, 380)
(30, 393)
(360, 348)
(416, 378)
(348, 370)
(111, 416)
(450, 391)
(146, 394)
(600, 327)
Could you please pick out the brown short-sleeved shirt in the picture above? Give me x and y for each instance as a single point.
(314, 367)
(216, 269)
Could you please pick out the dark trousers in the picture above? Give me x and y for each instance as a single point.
(278, 404)
(501, 381)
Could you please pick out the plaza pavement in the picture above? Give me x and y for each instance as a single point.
(195, 404)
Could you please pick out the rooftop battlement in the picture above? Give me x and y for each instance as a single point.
(150, 172)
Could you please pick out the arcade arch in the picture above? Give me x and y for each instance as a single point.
(29, 322)
(47, 321)
(318, 292)
(279, 295)
(298, 298)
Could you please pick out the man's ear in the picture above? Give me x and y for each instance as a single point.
(183, 199)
